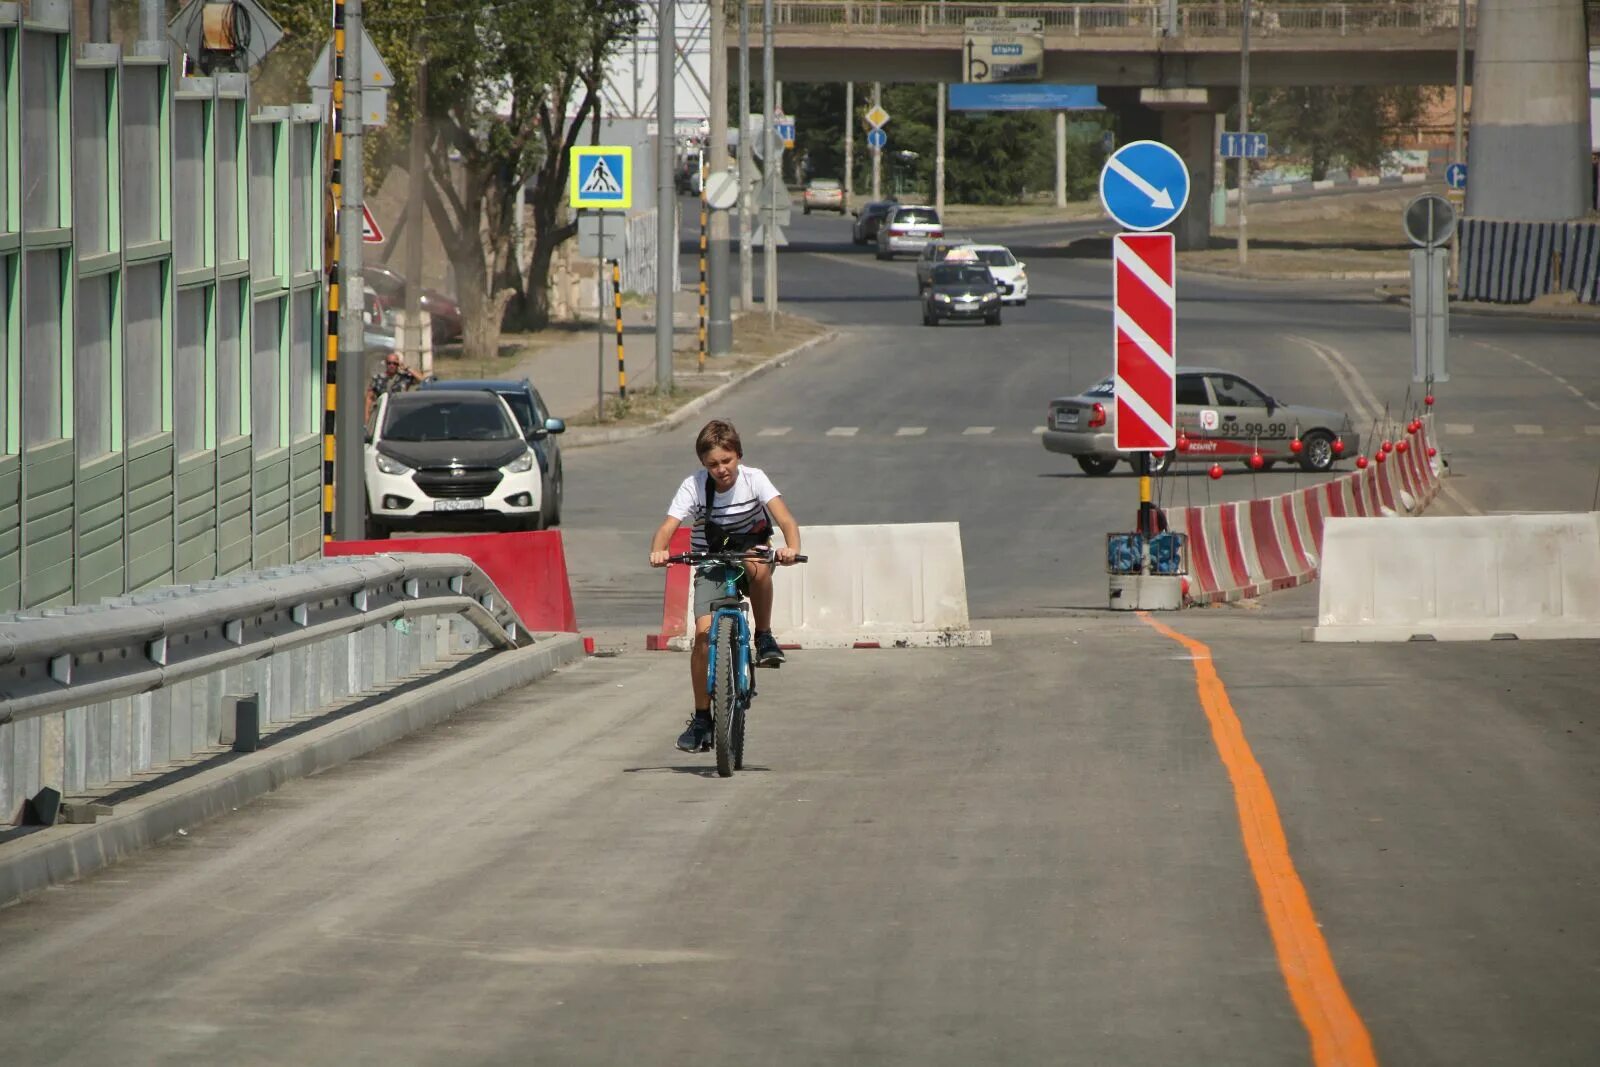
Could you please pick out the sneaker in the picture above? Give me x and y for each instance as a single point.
(698, 736)
(768, 654)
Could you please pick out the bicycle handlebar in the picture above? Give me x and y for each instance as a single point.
(760, 555)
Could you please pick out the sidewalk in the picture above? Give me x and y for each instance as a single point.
(1542, 308)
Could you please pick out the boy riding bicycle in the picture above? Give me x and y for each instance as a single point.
(731, 506)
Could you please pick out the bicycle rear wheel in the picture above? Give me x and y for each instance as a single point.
(724, 701)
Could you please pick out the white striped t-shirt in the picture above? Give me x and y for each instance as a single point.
(740, 510)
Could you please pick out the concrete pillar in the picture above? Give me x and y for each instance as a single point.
(1188, 126)
(1530, 89)
(1061, 159)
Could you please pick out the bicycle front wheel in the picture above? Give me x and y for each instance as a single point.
(724, 701)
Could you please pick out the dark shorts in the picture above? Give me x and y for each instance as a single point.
(708, 587)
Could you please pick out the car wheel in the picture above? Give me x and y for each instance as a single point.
(806, 211)
(992, 320)
(929, 320)
(1097, 466)
(1316, 453)
(882, 254)
(1022, 303)
(375, 530)
(1160, 462)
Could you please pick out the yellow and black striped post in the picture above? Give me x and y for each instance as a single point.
(330, 390)
(702, 358)
(616, 303)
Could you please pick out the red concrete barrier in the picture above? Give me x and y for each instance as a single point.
(675, 599)
(529, 569)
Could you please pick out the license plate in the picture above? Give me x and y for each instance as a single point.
(458, 505)
(1069, 419)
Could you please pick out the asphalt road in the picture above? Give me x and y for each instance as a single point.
(1076, 846)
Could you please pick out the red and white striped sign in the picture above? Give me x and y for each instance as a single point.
(1146, 328)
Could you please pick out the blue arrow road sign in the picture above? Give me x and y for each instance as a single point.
(1244, 146)
(1455, 175)
(785, 128)
(877, 138)
(1144, 185)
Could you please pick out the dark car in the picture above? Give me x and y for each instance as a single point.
(961, 291)
(444, 313)
(537, 424)
(868, 218)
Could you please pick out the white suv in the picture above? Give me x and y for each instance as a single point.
(906, 229)
(449, 460)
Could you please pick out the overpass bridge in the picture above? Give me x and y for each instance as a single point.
(1130, 44)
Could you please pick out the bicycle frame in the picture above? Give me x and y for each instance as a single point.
(733, 604)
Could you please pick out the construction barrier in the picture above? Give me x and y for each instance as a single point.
(1472, 578)
(529, 569)
(1248, 548)
(876, 586)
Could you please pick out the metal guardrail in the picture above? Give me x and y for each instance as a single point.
(65, 658)
(1144, 19)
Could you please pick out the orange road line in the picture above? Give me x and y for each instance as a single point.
(1338, 1036)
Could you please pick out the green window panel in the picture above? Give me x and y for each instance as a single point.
(191, 181)
(44, 96)
(193, 375)
(266, 374)
(45, 343)
(10, 372)
(97, 391)
(263, 201)
(232, 336)
(10, 124)
(305, 366)
(231, 196)
(143, 105)
(92, 146)
(146, 359)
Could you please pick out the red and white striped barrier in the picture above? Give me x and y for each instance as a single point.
(1247, 548)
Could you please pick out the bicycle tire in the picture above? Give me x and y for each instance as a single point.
(738, 737)
(724, 701)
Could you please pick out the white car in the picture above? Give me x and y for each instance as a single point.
(1008, 270)
(449, 460)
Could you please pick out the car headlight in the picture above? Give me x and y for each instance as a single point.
(389, 465)
(521, 465)
(990, 296)
(943, 298)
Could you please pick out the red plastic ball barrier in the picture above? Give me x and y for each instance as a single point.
(1296, 447)
(1402, 446)
(1381, 456)
(1338, 448)
(1432, 451)
(1428, 400)
(1215, 471)
(1256, 462)
(1388, 446)
(1361, 462)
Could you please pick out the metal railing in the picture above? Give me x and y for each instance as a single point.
(73, 657)
(1143, 19)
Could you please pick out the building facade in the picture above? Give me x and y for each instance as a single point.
(162, 328)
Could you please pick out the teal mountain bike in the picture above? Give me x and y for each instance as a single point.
(730, 667)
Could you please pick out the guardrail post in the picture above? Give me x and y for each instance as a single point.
(1077, 21)
(241, 722)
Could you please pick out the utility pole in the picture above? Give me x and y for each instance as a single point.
(772, 167)
(419, 121)
(1061, 159)
(938, 154)
(747, 285)
(719, 333)
(666, 191)
(1459, 148)
(1244, 127)
(877, 154)
(849, 144)
(348, 478)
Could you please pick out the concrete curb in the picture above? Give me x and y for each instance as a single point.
(586, 438)
(1299, 275)
(1582, 313)
(63, 853)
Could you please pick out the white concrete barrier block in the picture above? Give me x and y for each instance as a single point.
(1467, 579)
(902, 583)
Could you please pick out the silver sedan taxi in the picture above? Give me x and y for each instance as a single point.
(1221, 416)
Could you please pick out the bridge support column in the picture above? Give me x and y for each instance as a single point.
(1188, 127)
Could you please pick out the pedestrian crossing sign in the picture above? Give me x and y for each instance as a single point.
(602, 176)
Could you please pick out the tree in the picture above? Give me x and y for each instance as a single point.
(511, 87)
(1324, 125)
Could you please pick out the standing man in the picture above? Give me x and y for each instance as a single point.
(395, 377)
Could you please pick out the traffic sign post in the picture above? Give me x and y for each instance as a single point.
(1144, 333)
(1144, 185)
(1243, 145)
(602, 177)
(1430, 222)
